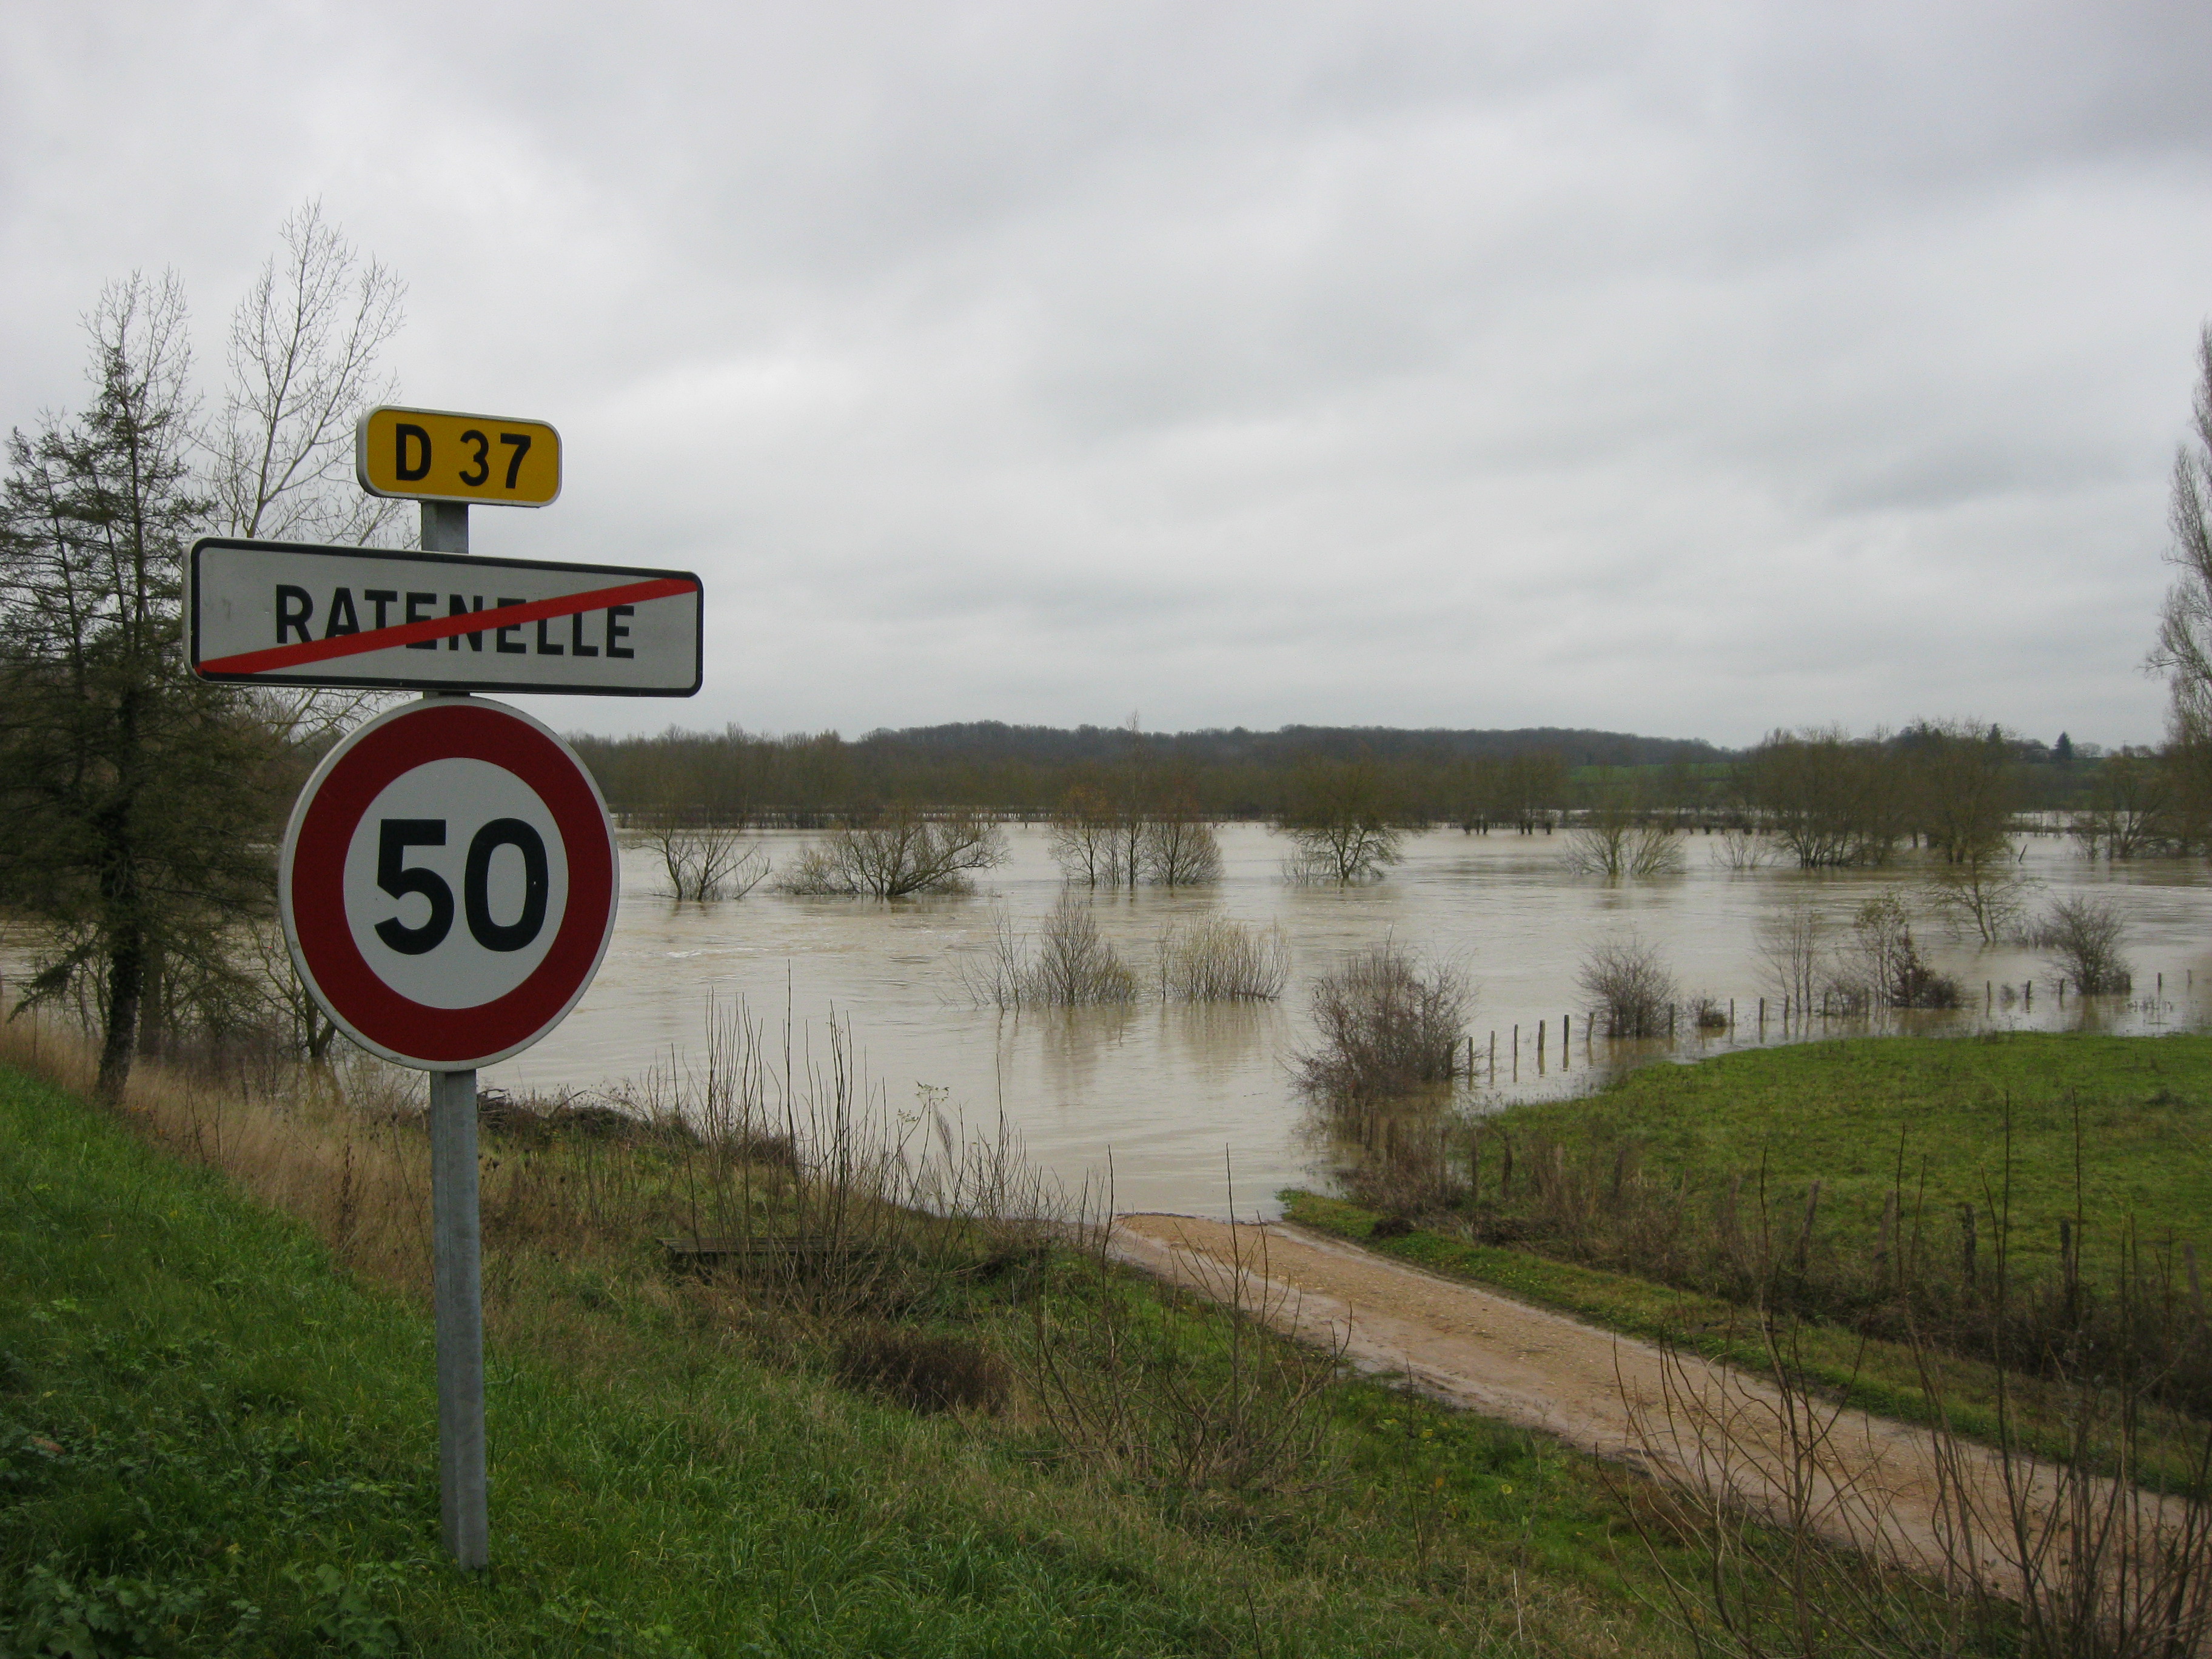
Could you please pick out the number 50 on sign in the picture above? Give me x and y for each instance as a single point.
(435, 455)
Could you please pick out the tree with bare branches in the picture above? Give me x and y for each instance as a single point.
(304, 350)
(905, 853)
(304, 354)
(2184, 648)
(1342, 822)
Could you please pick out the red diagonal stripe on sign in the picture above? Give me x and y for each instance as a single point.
(441, 628)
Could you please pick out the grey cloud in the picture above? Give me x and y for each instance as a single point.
(1693, 370)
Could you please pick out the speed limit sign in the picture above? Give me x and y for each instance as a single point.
(449, 883)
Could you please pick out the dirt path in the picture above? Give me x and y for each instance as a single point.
(1867, 1482)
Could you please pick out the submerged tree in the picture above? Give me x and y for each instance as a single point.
(1628, 985)
(2084, 938)
(1793, 946)
(1387, 1024)
(1616, 838)
(1343, 823)
(1828, 798)
(905, 853)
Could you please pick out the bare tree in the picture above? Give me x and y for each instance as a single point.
(286, 1000)
(1628, 985)
(304, 344)
(1387, 1024)
(1827, 798)
(705, 861)
(2184, 648)
(905, 853)
(1793, 946)
(1342, 823)
(1961, 784)
(2083, 937)
(1988, 893)
(303, 355)
(1180, 848)
(2128, 806)
(1081, 839)
(1615, 839)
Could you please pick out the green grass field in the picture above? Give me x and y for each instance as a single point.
(1930, 1115)
(2003, 1122)
(214, 1442)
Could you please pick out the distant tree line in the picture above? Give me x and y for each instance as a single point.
(1836, 799)
(737, 775)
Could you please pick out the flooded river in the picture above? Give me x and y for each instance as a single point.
(1182, 1096)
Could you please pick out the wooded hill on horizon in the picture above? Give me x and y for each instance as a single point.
(1472, 775)
(1051, 745)
(734, 776)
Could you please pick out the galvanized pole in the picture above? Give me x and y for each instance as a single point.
(461, 1497)
(462, 1504)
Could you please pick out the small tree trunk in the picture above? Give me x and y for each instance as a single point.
(151, 1014)
(126, 987)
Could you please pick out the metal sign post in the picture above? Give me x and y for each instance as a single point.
(456, 1245)
(449, 875)
(464, 1501)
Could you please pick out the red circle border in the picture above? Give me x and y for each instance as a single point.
(445, 1039)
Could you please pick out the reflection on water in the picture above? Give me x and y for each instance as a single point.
(1171, 1090)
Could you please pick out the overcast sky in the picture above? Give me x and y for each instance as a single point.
(1689, 370)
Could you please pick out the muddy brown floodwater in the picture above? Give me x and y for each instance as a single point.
(1182, 1098)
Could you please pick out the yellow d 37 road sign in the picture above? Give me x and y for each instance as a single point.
(435, 455)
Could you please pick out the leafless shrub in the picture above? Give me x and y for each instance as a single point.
(1882, 968)
(1739, 848)
(1988, 894)
(808, 1193)
(906, 853)
(705, 861)
(1071, 965)
(1388, 1024)
(997, 977)
(1628, 985)
(1614, 844)
(1180, 852)
(2082, 937)
(1220, 960)
(1793, 947)
(1074, 966)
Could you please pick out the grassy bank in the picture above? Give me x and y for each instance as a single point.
(2132, 1116)
(1831, 1182)
(216, 1422)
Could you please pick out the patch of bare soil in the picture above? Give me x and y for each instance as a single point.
(1859, 1479)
